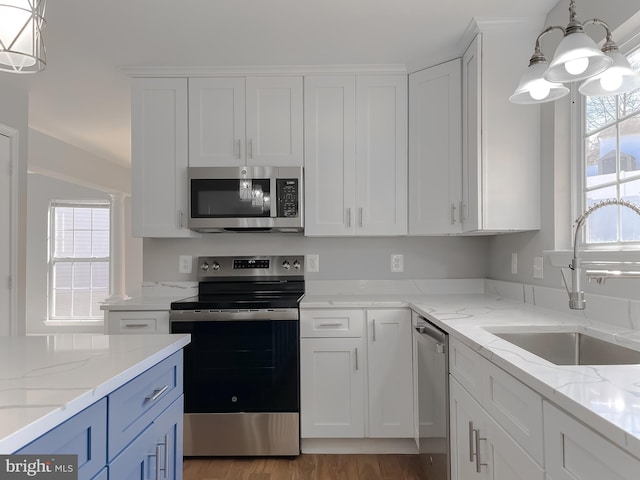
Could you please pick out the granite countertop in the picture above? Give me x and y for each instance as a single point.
(45, 380)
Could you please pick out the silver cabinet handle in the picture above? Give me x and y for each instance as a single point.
(356, 359)
(471, 430)
(136, 325)
(336, 324)
(239, 154)
(360, 216)
(250, 148)
(165, 459)
(453, 213)
(373, 330)
(157, 393)
(158, 453)
(348, 217)
(476, 439)
(463, 212)
(180, 223)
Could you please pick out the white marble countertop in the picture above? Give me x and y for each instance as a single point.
(141, 304)
(45, 380)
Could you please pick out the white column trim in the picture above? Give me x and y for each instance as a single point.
(117, 249)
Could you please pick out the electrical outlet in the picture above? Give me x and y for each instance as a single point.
(397, 262)
(538, 263)
(185, 264)
(514, 263)
(312, 263)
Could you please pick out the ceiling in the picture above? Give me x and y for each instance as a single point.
(82, 97)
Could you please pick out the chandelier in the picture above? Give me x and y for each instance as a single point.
(603, 72)
(21, 43)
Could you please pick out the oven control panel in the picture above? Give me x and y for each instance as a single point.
(259, 266)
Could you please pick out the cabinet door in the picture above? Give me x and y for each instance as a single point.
(390, 374)
(332, 387)
(472, 136)
(381, 164)
(216, 122)
(575, 452)
(330, 153)
(274, 121)
(435, 150)
(466, 417)
(137, 461)
(168, 431)
(159, 157)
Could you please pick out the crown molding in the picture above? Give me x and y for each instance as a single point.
(158, 71)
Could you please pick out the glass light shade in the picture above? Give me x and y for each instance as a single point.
(21, 43)
(577, 57)
(617, 79)
(533, 88)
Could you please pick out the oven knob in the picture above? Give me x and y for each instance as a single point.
(286, 265)
(204, 266)
(296, 265)
(215, 266)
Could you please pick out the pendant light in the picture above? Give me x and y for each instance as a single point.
(533, 88)
(577, 58)
(21, 43)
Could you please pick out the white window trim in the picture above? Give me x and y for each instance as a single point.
(80, 325)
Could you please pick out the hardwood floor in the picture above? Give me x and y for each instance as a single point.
(305, 467)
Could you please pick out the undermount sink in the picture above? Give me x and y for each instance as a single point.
(572, 348)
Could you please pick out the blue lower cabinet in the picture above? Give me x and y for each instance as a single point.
(84, 434)
(103, 475)
(135, 462)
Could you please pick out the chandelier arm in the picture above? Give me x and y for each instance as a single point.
(609, 44)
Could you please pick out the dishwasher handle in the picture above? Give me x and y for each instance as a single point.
(424, 327)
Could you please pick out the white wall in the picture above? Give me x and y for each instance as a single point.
(340, 258)
(14, 108)
(557, 218)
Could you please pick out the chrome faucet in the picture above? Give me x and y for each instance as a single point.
(576, 295)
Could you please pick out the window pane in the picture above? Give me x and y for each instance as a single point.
(602, 225)
(630, 230)
(81, 303)
(82, 219)
(81, 275)
(630, 102)
(62, 301)
(101, 219)
(63, 244)
(62, 275)
(601, 157)
(100, 275)
(630, 145)
(100, 243)
(600, 111)
(64, 218)
(82, 244)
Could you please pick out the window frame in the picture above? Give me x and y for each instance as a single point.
(51, 261)
(580, 188)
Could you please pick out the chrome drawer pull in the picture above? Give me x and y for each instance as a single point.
(136, 325)
(337, 324)
(157, 393)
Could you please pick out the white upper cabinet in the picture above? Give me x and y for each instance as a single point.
(245, 121)
(435, 150)
(500, 140)
(356, 155)
(159, 157)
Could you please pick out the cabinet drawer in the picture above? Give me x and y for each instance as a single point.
(84, 434)
(516, 407)
(331, 323)
(466, 366)
(575, 452)
(134, 405)
(143, 322)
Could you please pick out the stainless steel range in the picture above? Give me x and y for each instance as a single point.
(242, 367)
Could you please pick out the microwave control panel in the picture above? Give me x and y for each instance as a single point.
(288, 194)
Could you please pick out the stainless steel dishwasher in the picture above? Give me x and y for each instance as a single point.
(431, 363)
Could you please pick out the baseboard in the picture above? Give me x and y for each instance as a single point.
(359, 445)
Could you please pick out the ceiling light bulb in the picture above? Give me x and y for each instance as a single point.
(611, 80)
(577, 66)
(540, 90)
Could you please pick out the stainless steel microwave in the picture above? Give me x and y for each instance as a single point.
(245, 199)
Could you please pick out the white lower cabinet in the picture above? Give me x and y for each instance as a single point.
(136, 322)
(356, 373)
(575, 452)
(480, 448)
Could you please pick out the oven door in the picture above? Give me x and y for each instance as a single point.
(241, 366)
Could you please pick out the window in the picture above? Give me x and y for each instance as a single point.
(612, 166)
(78, 260)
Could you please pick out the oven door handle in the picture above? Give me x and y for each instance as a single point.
(233, 315)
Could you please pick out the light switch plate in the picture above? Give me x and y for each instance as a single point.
(185, 264)
(312, 263)
(538, 263)
(397, 262)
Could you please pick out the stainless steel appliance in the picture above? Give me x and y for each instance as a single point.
(431, 346)
(242, 367)
(246, 199)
